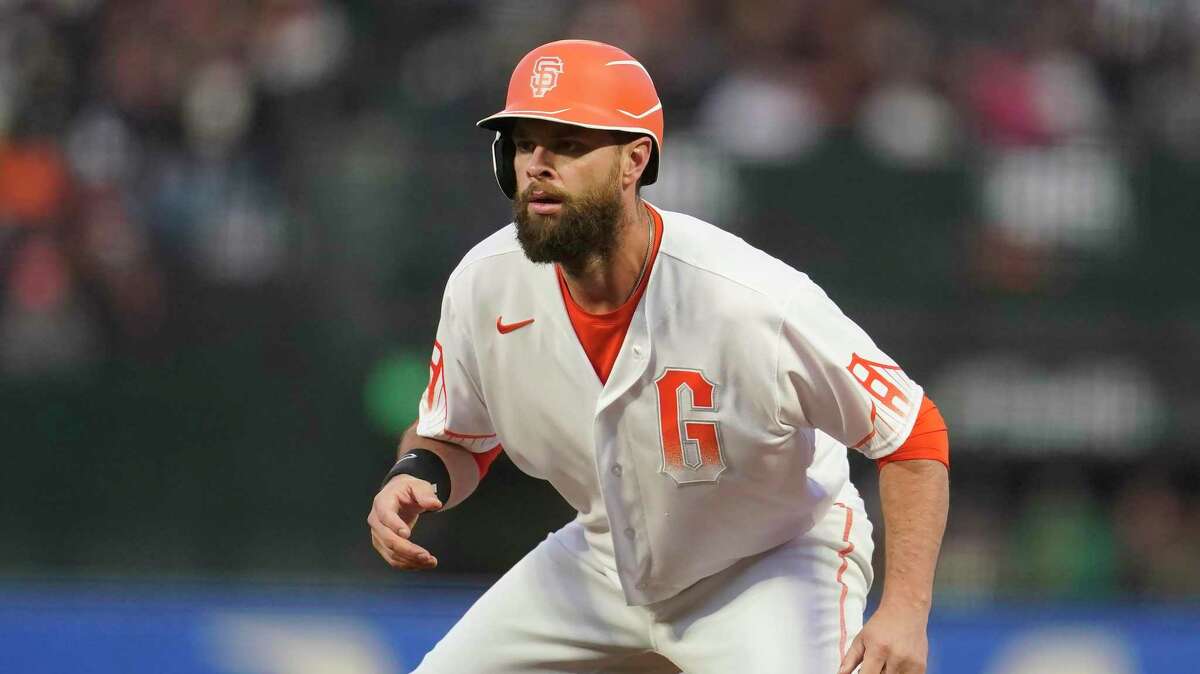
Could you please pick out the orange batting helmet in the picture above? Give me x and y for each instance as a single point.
(580, 82)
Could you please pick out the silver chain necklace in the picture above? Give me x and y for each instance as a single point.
(646, 258)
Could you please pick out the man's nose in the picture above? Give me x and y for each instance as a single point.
(541, 163)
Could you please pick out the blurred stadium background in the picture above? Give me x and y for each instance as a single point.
(225, 227)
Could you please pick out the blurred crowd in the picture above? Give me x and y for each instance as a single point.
(174, 172)
(138, 162)
(1060, 537)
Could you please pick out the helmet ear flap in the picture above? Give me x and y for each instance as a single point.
(503, 154)
(650, 175)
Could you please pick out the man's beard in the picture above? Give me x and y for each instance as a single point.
(585, 231)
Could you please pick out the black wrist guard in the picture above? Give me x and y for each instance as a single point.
(423, 464)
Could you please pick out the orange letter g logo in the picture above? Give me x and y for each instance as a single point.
(691, 449)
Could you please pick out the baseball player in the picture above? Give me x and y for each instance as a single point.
(690, 396)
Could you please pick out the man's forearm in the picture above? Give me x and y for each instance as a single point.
(464, 472)
(915, 497)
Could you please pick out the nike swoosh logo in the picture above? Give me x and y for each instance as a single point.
(507, 328)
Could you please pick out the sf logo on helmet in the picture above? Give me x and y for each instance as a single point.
(545, 75)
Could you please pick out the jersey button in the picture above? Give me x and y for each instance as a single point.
(629, 532)
(617, 470)
(637, 351)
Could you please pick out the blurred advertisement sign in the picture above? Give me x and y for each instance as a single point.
(293, 630)
(1104, 406)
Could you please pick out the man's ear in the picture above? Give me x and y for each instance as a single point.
(635, 157)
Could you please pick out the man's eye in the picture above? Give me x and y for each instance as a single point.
(524, 146)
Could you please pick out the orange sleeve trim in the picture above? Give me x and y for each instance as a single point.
(929, 438)
(466, 436)
(484, 460)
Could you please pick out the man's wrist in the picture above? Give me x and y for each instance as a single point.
(912, 603)
(426, 465)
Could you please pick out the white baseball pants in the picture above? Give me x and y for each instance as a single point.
(791, 610)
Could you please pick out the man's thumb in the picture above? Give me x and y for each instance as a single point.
(427, 497)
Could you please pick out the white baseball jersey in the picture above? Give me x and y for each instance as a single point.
(723, 427)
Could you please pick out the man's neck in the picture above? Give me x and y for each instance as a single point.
(602, 286)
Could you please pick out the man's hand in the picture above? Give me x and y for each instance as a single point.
(915, 496)
(394, 513)
(892, 642)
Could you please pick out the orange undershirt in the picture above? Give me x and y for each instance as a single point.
(483, 461)
(602, 334)
(929, 439)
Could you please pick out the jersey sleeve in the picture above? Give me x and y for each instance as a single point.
(834, 378)
(452, 408)
(929, 438)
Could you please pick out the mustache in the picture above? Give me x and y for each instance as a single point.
(546, 190)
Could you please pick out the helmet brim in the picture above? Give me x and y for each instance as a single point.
(502, 123)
